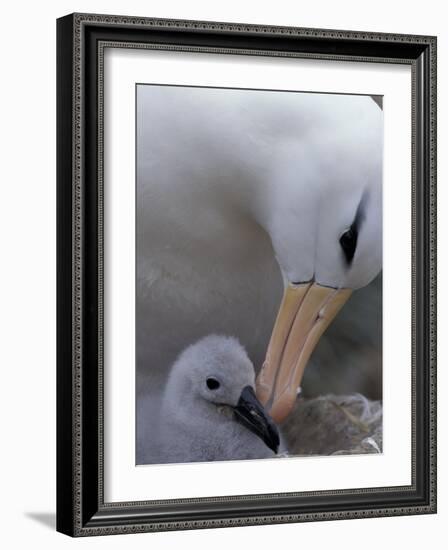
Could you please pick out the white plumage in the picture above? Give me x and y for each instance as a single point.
(297, 164)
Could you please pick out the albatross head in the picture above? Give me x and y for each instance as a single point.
(214, 380)
(326, 231)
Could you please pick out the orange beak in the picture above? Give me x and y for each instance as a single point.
(305, 312)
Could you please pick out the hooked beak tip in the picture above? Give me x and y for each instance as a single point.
(250, 413)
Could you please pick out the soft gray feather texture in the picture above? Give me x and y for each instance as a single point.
(198, 424)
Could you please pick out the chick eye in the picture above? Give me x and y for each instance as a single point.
(348, 241)
(212, 384)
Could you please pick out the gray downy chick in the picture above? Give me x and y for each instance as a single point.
(210, 411)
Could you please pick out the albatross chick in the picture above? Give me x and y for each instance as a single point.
(210, 411)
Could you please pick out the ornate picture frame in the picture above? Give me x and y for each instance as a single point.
(81, 506)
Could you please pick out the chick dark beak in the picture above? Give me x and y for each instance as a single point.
(251, 414)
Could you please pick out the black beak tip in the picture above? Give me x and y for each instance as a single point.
(251, 413)
(272, 438)
(272, 446)
(275, 442)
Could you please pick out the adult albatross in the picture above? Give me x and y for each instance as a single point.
(303, 168)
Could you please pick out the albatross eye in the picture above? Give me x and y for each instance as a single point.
(212, 383)
(348, 241)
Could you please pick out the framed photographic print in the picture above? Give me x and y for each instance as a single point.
(246, 274)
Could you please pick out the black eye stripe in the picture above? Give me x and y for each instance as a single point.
(348, 242)
(212, 383)
(349, 239)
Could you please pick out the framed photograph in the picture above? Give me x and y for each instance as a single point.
(246, 274)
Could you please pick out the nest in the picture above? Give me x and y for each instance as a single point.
(334, 425)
